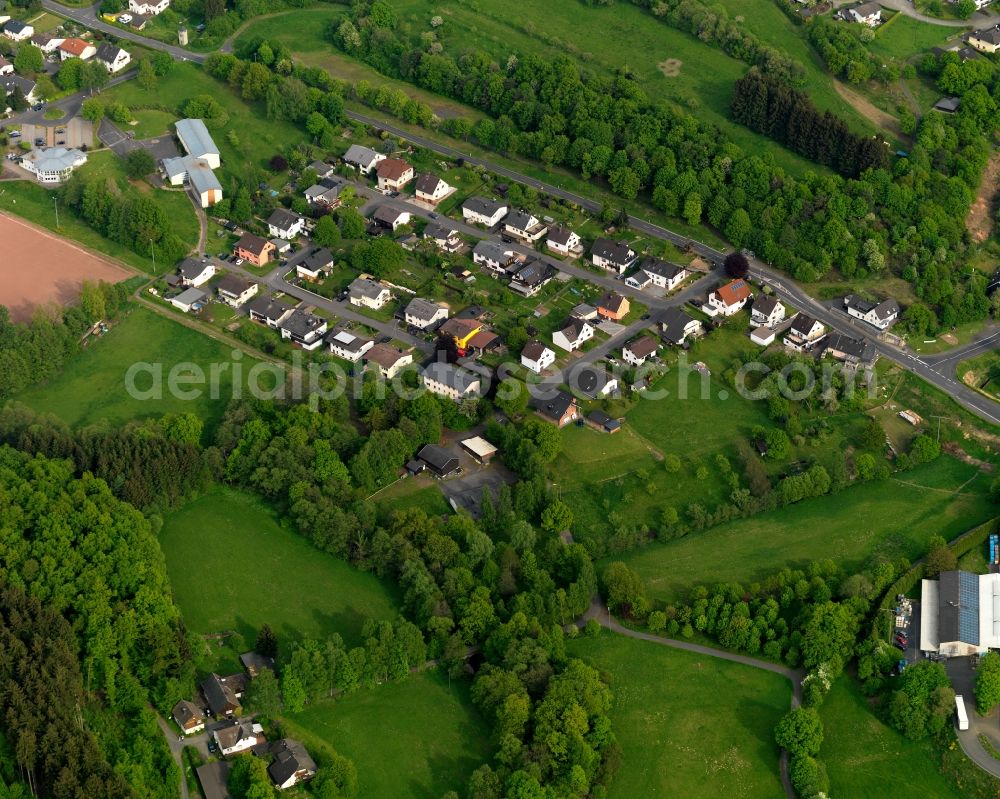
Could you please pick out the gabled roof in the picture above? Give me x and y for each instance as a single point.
(233, 284)
(642, 347)
(10, 81)
(185, 712)
(663, 269)
(802, 325)
(867, 9)
(437, 458)
(601, 419)
(859, 348)
(533, 273)
(253, 243)
(958, 607)
(384, 355)
(301, 324)
(534, 350)
(392, 168)
(451, 375)
(195, 138)
(439, 231)
(460, 327)
(290, 757)
(422, 309)
(591, 380)
(612, 301)
(733, 292)
(230, 734)
(573, 329)
(283, 218)
(883, 310)
(764, 304)
(553, 408)
(618, 252)
(319, 258)
(190, 268)
(356, 154)
(427, 183)
(492, 251)
(365, 287)
(15, 26)
(560, 234)
(520, 220)
(388, 214)
(254, 663)
(988, 35)
(220, 696)
(268, 307)
(672, 324)
(346, 340)
(480, 205)
(108, 53)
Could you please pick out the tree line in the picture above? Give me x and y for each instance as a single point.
(773, 108)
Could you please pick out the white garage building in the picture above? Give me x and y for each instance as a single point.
(960, 614)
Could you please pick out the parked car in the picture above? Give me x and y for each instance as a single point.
(239, 261)
(38, 106)
(15, 134)
(61, 142)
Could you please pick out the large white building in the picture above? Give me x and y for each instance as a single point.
(199, 176)
(197, 141)
(960, 614)
(53, 164)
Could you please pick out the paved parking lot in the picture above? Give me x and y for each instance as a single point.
(467, 490)
(74, 133)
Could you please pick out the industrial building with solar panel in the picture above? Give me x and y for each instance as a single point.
(960, 614)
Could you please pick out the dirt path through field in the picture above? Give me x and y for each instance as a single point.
(979, 220)
(873, 114)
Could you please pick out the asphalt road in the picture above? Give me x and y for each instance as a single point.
(783, 286)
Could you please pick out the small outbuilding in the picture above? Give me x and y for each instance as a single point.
(480, 449)
(441, 462)
(599, 420)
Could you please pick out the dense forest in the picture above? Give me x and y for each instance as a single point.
(907, 217)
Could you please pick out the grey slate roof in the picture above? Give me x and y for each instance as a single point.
(233, 284)
(427, 183)
(363, 287)
(451, 375)
(195, 138)
(439, 231)
(764, 304)
(300, 324)
(440, 460)
(883, 310)
(519, 220)
(560, 234)
(618, 252)
(317, 259)
(491, 251)
(858, 348)
(672, 325)
(190, 268)
(664, 269)
(282, 218)
(422, 309)
(481, 205)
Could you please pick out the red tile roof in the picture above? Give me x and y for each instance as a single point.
(392, 168)
(734, 292)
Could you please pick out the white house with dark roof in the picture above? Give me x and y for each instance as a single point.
(364, 159)
(113, 57)
(869, 14)
(424, 314)
(345, 344)
(676, 327)
(804, 333)
(236, 291)
(6, 67)
(573, 336)
(304, 329)
(493, 256)
(639, 351)
(653, 272)
(529, 278)
(615, 256)
(767, 311)
(326, 193)
(444, 236)
(593, 382)
(537, 357)
(268, 311)
(17, 31)
(480, 211)
(388, 359)
(290, 764)
(450, 380)
(391, 218)
(986, 40)
(367, 293)
(522, 225)
(431, 189)
(850, 350)
(880, 315)
(284, 224)
(564, 241)
(12, 82)
(196, 271)
(317, 263)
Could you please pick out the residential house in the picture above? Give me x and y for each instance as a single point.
(482, 342)
(46, 43)
(529, 278)
(564, 241)
(196, 271)
(804, 333)
(12, 82)
(537, 357)
(317, 263)
(593, 382)
(197, 141)
(480, 211)
(237, 736)
(493, 256)
(214, 779)
(676, 326)
(614, 256)
(344, 344)
(728, 299)
(986, 40)
(583, 311)
(560, 409)
(450, 380)
(113, 57)
(189, 300)
(53, 164)
(460, 331)
(391, 218)
(613, 306)
(869, 14)
(76, 48)
(326, 193)
(768, 311)
(850, 350)
(393, 174)
(364, 159)
(367, 293)
(658, 273)
(235, 291)
(388, 359)
(879, 315)
(222, 694)
(17, 31)
(189, 717)
(445, 238)
(599, 420)
(430, 188)
(290, 763)
(304, 329)
(253, 248)
(284, 224)
(254, 663)
(424, 314)
(948, 105)
(637, 352)
(6, 67)
(322, 169)
(148, 8)
(524, 226)
(441, 462)
(268, 311)
(573, 335)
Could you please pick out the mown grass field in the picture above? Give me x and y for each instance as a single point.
(418, 738)
(256, 137)
(412, 492)
(907, 37)
(894, 517)
(92, 388)
(235, 565)
(689, 726)
(867, 759)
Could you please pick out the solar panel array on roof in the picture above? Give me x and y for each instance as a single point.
(968, 610)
